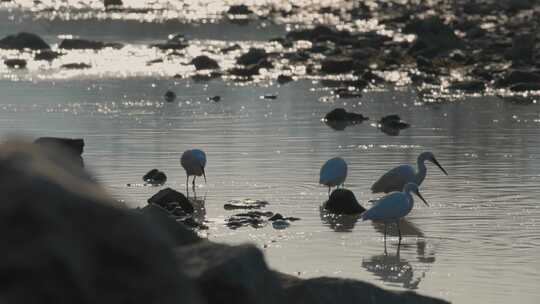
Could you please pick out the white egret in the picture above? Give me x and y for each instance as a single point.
(395, 179)
(394, 206)
(194, 162)
(333, 173)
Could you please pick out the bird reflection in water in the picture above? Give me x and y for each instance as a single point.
(394, 269)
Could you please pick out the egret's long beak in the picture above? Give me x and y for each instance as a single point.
(439, 165)
(203, 174)
(421, 197)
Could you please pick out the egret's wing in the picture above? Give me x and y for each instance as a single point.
(392, 206)
(394, 180)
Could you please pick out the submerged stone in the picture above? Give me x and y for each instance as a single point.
(23, 41)
(340, 114)
(343, 201)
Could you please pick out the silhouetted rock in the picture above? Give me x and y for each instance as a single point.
(254, 219)
(283, 79)
(230, 274)
(343, 201)
(204, 63)
(340, 114)
(326, 290)
(23, 41)
(525, 86)
(215, 98)
(393, 121)
(176, 42)
(75, 66)
(337, 65)
(15, 63)
(47, 55)
(169, 96)
(433, 37)
(253, 56)
(239, 10)
(82, 44)
(108, 3)
(246, 72)
(468, 86)
(518, 76)
(177, 229)
(155, 177)
(64, 238)
(245, 204)
(167, 196)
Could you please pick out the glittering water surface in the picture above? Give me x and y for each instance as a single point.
(478, 242)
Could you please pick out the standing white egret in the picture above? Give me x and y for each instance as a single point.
(394, 206)
(395, 179)
(333, 173)
(193, 162)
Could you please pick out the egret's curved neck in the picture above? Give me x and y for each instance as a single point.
(409, 198)
(422, 170)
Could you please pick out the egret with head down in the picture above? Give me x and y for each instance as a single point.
(333, 173)
(398, 177)
(394, 206)
(194, 162)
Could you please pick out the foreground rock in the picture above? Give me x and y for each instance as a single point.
(23, 41)
(155, 177)
(343, 201)
(73, 147)
(64, 238)
(81, 44)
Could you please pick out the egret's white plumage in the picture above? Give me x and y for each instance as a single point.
(394, 206)
(333, 173)
(396, 178)
(194, 162)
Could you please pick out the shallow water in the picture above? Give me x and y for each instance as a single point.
(478, 241)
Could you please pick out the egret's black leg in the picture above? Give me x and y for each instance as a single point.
(399, 231)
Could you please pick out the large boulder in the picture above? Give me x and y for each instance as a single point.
(73, 147)
(343, 201)
(23, 41)
(65, 240)
(230, 274)
(326, 290)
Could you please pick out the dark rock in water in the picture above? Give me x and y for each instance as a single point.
(245, 204)
(15, 63)
(254, 219)
(269, 96)
(393, 121)
(215, 98)
(231, 48)
(23, 41)
(203, 76)
(253, 56)
(525, 86)
(518, 76)
(75, 66)
(343, 201)
(320, 32)
(276, 216)
(340, 114)
(168, 195)
(65, 239)
(230, 274)
(108, 3)
(245, 72)
(347, 93)
(47, 55)
(155, 177)
(326, 290)
(280, 224)
(204, 63)
(468, 86)
(239, 10)
(283, 79)
(82, 44)
(337, 65)
(433, 37)
(169, 96)
(176, 42)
